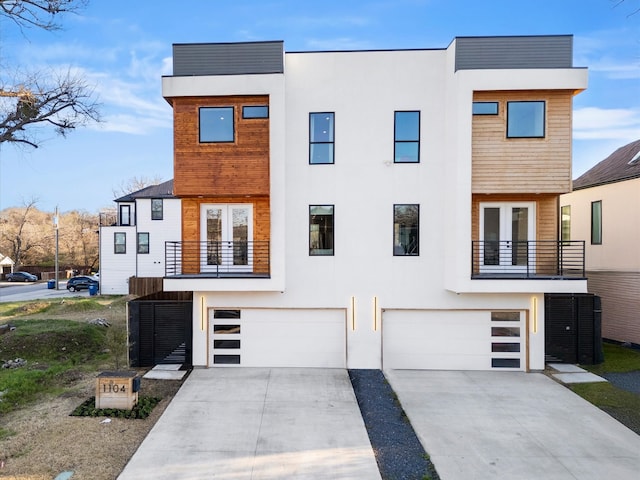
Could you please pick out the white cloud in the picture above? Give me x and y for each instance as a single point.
(595, 123)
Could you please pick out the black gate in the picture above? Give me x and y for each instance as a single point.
(573, 328)
(160, 331)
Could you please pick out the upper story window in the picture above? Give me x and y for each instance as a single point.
(119, 242)
(321, 230)
(321, 134)
(485, 108)
(143, 242)
(406, 228)
(255, 111)
(216, 124)
(407, 137)
(125, 215)
(525, 119)
(596, 223)
(156, 209)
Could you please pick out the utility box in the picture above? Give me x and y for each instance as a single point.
(117, 390)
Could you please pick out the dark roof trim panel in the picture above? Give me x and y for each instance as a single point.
(243, 58)
(552, 51)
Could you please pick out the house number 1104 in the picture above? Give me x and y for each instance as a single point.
(113, 388)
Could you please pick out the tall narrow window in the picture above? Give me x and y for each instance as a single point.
(565, 223)
(407, 137)
(125, 215)
(406, 229)
(525, 119)
(143, 242)
(321, 138)
(156, 209)
(321, 230)
(596, 223)
(216, 124)
(119, 242)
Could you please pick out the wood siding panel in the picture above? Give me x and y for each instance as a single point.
(191, 227)
(216, 169)
(522, 165)
(620, 293)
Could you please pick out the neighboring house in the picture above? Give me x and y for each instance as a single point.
(372, 209)
(6, 265)
(132, 244)
(604, 209)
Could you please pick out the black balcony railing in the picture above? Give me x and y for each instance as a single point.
(217, 259)
(541, 259)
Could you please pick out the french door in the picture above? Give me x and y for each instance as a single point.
(226, 232)
(506, 233)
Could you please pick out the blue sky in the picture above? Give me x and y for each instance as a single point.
(123, 47)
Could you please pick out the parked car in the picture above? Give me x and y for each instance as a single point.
(80, 283)
(21, 277)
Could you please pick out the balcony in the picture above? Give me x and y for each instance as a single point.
(228, 259)
(537, 260)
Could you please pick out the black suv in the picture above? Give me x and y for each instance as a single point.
(80, 283)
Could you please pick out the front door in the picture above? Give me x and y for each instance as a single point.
(227, 237)
(506, 234)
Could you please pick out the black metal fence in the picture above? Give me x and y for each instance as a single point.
(541, 259)
(217, 259)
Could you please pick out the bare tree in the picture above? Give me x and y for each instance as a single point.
(134, 184)
(38, 13)
(62, 101)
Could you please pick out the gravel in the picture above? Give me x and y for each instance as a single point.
(398, 451)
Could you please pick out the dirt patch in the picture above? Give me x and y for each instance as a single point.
(48, 441)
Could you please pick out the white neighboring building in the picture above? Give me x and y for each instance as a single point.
(133, 243)
(373, 209)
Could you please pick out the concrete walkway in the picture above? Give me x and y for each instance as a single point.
(258, 424)
(513, 426)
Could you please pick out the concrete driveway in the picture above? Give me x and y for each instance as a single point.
(259, 424)
(513, 426)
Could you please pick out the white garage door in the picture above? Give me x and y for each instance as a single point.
(453, 340)
(278, 338)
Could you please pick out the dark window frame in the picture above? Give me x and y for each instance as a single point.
(157, 214)
(544, 119)
(233, 123)
(139, 244)
(123, 244)
(246, 115)
(483, 103)
(121, 209)
(407, 250)
(312, 142)
(596, 233)
(313, 251)
(405, 141)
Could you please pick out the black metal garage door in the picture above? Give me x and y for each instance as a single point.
(160, 331)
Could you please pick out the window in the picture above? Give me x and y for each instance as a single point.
(525, 119)
(565, 223)
(156, 209)
(407, 137)
(143, 242)
(596, 223)
(255, 111)
(125, 215)
(216, 124)
(321, 128)
(119, 242)
(406, 229)
(321, 230)
(485, 108)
